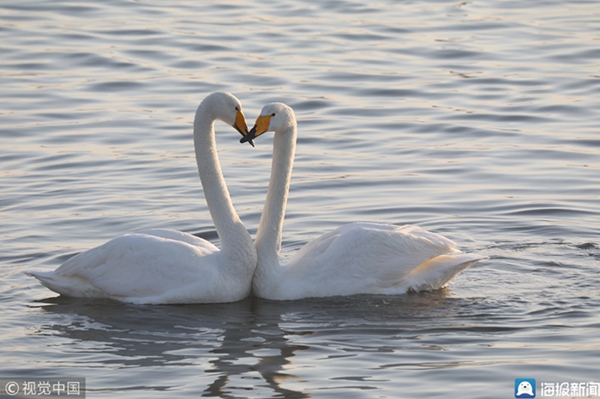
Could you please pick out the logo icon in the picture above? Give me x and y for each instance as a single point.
(524, 388)
(12, 388)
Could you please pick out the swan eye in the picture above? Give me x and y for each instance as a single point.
(237, 108)
(273, 114)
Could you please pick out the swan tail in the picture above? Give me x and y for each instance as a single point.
(438, 272)
(67, 285)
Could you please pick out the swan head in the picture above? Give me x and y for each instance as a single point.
(227, 108)
(274, 117)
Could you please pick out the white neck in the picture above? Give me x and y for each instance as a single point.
(232, 233)
(268, 236)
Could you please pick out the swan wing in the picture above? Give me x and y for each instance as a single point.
(369, 258)
(138, 265)
(377, 243)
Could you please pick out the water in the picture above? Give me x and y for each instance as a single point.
(478, 120)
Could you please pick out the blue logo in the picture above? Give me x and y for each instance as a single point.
(525, 388)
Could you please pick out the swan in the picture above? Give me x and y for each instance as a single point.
(161, 266)
(356, 258)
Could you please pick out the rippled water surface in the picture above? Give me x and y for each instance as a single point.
(478, 120)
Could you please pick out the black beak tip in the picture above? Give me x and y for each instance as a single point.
(245, 135)
(248, 139)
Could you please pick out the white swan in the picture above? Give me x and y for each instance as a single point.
(160, 266)
(357, 258)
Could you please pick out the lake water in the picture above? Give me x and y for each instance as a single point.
(479, 120)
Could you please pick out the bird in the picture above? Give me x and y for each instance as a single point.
(163, 266)
(355, 258)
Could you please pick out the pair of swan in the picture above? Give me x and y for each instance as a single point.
(160, 266)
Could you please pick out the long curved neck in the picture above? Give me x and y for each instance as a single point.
(268, 236)
(230, 228)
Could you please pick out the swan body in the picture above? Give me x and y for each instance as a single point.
(161, 266)
(357, 258)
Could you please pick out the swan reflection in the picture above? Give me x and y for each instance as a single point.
(249, 345)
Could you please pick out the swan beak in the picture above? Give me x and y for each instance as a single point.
(261, 126)
(249, 137)
(242, 128)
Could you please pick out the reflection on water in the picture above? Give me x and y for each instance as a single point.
(224, 342)
(253, 339)
(259, 345)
